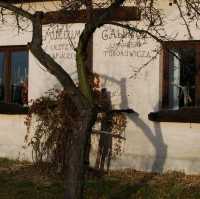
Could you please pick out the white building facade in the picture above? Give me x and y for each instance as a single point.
(139, 74)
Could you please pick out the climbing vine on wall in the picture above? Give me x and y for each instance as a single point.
(48, 120)
(54, 114)
(112, 127)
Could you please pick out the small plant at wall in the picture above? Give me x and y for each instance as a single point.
(119, 122)
(112, 126)
(54, 114)
(49, 117)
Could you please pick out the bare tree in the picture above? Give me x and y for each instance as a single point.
(82, 95)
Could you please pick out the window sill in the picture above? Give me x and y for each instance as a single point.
(185, 115)
(13, 109)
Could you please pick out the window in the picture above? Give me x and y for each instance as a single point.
(180, 82)
(180, 74)
(14, 76)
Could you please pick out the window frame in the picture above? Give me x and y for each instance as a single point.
(7, 107)
(183, 114)
(165, 74)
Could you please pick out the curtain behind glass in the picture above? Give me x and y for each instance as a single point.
(182, 70)
(19, 78)
(174, 78)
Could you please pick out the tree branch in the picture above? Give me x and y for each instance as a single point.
(140, 31)
(184, 20)
(52, 66)
(17, 10)
(81, 54)
(45, 59)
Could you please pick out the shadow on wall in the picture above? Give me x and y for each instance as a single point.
(155, 137)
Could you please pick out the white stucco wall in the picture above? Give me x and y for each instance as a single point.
(148, 146)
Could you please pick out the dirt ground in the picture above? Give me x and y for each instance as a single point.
(22, 180)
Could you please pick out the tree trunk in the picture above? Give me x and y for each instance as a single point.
(75, 157)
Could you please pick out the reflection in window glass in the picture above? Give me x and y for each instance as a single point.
(2, 56)
(19, 79)
(182, 68)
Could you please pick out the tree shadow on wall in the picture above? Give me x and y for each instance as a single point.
(104, 153)
(155, 137)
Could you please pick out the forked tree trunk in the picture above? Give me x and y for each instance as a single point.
(82, 97)
(75, 158)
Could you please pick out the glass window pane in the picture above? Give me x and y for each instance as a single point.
(182, 69)
(19, 78)
(2, 57)
(174, 78)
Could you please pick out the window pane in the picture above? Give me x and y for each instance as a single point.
(2, 56)
(19, 78)
(182, 68)
(174, 78)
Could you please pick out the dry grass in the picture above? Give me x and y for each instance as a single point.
(22, 180)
